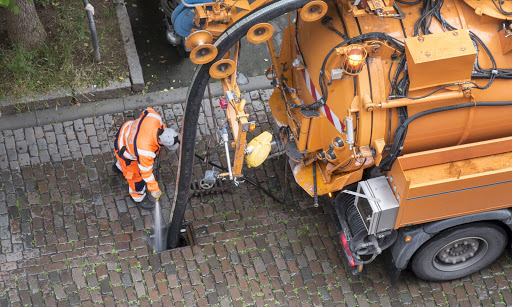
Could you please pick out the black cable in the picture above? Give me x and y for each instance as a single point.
(327, 22)
(426, 95)
(500, 8)
(291, 104)
(367, 36)
(403, 28)
(394, 84)
(401, 130)
(408, 2)
(355, 86)
(243, 178)
(340, 16)
(297, 38)
(358, 26)
(371, 97)
(390, 114)
(429, 10)
(401, 14)
(315, 184)
(399, 88)
(432, 10)
(362, 164)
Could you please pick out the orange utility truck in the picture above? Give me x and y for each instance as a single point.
(400, 111)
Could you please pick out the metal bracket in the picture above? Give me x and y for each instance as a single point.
(361, 195)
(506, 32)
(310, 113)
(231, 95)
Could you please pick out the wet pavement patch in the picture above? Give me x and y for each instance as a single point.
(186, 238)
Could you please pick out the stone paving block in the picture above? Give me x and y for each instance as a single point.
(19, 134)
(12, 155)
(86, 149)
(82, 137)
(3, 151)
(9, 142)
(33, 150)
(58, 128)
(79, 125)
(50, 137)
(21, 146)
(41, 143)
(70, 234)
(90, 130)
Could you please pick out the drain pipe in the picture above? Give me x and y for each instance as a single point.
(90, 15)
(190, 5)
(196, 91)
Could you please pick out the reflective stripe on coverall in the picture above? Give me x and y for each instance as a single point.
(136, 147)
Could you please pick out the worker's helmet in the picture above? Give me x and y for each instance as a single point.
(169, 138)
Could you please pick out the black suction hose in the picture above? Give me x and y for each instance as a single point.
(196, 91)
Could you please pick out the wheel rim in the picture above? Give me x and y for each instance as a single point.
(460, 254)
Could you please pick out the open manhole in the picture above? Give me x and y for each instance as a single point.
(186, 238)
(199, 187)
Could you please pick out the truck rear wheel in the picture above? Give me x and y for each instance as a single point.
(459, 251)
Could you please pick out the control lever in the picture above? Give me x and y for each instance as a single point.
(226, 147)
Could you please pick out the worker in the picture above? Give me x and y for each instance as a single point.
(136, 146)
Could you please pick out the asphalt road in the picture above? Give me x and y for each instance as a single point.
(163, 67)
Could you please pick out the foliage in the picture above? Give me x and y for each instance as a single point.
(65, 60)
(10, 5)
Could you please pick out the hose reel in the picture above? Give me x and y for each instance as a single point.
(260, 33)
(222, 69)
(313, 11)
(200, 42)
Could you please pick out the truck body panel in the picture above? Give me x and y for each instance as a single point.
(416, 92)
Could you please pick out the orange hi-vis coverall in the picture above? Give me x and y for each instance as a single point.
(136, 146)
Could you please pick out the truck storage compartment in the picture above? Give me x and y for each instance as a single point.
(454, 181)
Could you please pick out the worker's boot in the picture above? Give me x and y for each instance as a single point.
(116, 169)
(147, 204)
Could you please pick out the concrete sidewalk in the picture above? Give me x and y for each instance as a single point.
(110, 106)
(70, 234)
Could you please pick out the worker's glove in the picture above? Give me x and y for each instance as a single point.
(156, 194)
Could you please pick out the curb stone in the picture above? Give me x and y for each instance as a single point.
(57, 97)
(65, 97)
(68, 113)
(62, 98)
(132, 56)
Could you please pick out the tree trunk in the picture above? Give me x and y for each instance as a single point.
(25, 28)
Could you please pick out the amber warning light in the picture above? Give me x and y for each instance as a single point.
(355, 56)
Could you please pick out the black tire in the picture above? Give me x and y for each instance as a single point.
(459, 251)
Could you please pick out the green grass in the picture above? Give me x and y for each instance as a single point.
(66, 59)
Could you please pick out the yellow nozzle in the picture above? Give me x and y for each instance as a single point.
(258, 149)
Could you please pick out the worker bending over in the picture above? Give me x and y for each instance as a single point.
(137, 144)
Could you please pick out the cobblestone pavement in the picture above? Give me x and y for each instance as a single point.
(70, 235)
